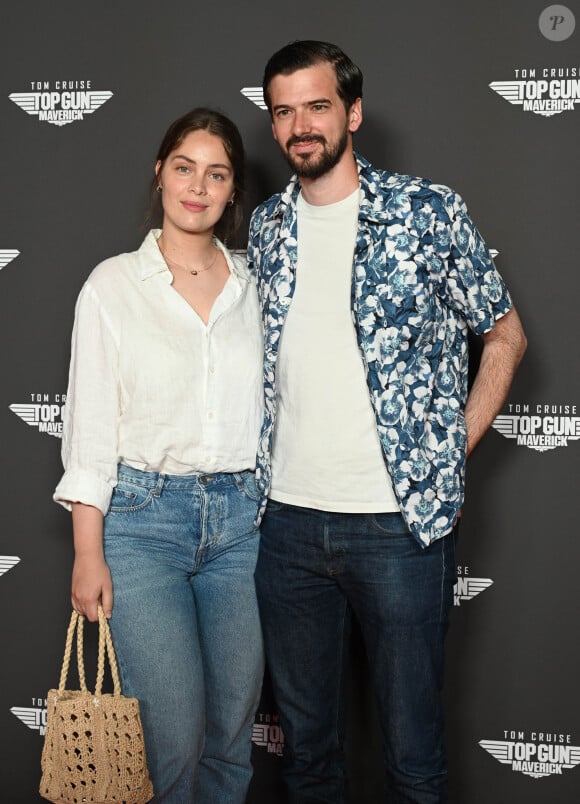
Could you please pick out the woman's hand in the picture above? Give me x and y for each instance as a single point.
(91, 584)
(91, 577)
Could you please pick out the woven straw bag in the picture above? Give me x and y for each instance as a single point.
(93, 747)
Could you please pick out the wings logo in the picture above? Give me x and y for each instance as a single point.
(255, 95)
(535, 759)
(468, 588)
(268, 734)
(547, 91)
(62, 105)
(7, 562)
(45, 415)
(7, 255)
(539, 427)
(32, 716)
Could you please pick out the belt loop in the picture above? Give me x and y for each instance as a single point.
(159, 487)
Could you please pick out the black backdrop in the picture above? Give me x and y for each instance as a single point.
(74, 191)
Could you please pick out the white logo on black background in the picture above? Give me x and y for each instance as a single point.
(42, 412)
(545, 91)
(557, 23)
(256, 95)
(540, 427)
(7, 562)
(62, 102)
(540, 756)
(267, 733)
(32, 716)
(7, 255)
(466, 587)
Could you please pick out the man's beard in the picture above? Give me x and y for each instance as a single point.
(313, 166)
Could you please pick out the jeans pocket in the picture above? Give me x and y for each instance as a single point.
(390, 524)
(273, 506)
(128, 497)
(246, 482)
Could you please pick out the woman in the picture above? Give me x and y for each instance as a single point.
(163, 412)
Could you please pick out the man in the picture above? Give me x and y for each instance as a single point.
(368, 282)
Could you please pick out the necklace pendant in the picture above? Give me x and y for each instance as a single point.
(193, 272)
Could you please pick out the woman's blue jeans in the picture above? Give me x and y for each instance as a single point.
(182, 552)
(314, 569)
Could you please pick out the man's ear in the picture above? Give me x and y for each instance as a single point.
(355, 116)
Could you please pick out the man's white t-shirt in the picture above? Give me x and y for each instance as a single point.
(326, 449)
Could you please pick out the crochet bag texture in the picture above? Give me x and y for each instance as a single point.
(93, 747)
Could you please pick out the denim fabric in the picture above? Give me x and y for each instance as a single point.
(182, 552)
(314, 569)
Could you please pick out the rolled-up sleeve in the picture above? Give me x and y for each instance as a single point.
(91, 416)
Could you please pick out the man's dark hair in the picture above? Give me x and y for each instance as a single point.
(301, 54)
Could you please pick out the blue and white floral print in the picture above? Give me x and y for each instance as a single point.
(422, 276)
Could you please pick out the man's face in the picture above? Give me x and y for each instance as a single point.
(309, 121)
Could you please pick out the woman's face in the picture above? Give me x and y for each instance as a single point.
(197, 181)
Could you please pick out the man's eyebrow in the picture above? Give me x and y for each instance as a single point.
(306, 103)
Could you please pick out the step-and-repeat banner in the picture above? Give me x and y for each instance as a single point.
(483, 96)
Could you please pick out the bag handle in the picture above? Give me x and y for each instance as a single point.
(106, 642)
(105, 647)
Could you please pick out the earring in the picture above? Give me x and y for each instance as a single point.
(231, 202)
(159, 188)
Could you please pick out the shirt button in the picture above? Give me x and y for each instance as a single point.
(210, 415)
(212, 369)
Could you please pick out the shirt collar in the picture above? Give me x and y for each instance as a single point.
(373, 197)
(152, 262)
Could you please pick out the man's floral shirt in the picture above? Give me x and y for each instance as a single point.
(421, 276)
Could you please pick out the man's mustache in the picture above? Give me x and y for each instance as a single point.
(306, 138)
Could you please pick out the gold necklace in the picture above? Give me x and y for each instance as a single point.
(194, 271)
